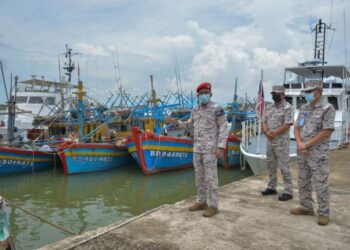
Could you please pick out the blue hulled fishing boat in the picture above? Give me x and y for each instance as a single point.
(92, 157)
(16, 160)
(81, 156)
(157, 153)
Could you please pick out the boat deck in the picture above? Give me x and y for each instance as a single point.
(246, 220)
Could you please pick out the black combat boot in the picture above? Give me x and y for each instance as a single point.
(285, 197)
(269, 191)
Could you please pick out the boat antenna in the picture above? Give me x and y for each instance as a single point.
(78, 72)
(235, 94)
(69, 66)
(59, 69)
(320, 40)
(153, 91)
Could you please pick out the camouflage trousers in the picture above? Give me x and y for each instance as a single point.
(313, 169)
(205, 166)
(278, 156)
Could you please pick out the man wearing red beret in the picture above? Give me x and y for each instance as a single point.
(209, 125)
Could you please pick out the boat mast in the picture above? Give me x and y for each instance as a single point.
(70, 66)
(80, 94)
(3, 79)
(320, 40)
(155, 109)
(11, 113)
(235, 94)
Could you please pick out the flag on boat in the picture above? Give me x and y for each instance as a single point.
(260, 105)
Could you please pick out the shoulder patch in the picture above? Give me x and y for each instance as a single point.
(327, 106)
(288, 105)
(219, 111)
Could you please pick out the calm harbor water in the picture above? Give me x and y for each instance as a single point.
(87, 201)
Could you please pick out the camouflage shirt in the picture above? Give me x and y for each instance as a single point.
(209, 126)
(277, 115)
(313, 119)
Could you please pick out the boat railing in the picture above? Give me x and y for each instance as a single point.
(338, 136)
(250, 128)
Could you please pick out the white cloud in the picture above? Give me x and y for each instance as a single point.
(90, 49)
(179, 41)
(215, 41)
(193, 26)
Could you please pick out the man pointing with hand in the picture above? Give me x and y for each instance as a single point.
(209, 125)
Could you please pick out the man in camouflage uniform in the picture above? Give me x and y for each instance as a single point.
(209, 125)
(313, 128)
(278, 118)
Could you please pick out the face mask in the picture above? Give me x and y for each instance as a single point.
(276, 98)
(204, 99)
(309, 96)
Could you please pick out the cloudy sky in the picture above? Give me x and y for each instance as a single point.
(215, 41)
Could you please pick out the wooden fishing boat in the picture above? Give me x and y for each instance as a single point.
(232, 153)
(157, 153)
(17, 160)
(91, 157)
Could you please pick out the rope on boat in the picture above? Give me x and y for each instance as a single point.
(59, 115)
(119, 225)
(11, 203)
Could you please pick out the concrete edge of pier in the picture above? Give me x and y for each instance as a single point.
(246, 220)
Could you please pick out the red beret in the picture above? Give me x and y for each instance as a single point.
(204, 85)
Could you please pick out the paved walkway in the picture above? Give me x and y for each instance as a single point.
(246, 221)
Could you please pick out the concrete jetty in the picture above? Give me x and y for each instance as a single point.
(246, 220)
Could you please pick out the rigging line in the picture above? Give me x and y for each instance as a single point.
(11, 203)
(177, 81)
(330, 43)
(117, 55)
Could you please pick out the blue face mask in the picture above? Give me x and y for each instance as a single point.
(204, 99)
(309, 96)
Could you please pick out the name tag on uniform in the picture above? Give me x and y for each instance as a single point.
(302, 122)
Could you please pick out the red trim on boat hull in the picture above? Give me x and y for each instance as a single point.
(22, 151)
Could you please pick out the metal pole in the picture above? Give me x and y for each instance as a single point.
(3, 79)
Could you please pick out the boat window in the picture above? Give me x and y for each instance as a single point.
(50, 101)
(300, 101)
(21, 99)
(289, 99)
(36, 99)
(337, 85)
(286, 86)
(326, 85)
(334, 101)
(296, 85)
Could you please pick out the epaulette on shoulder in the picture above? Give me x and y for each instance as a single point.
(288, 105)
(327, 106)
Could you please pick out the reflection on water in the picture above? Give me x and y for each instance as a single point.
(87, 201)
